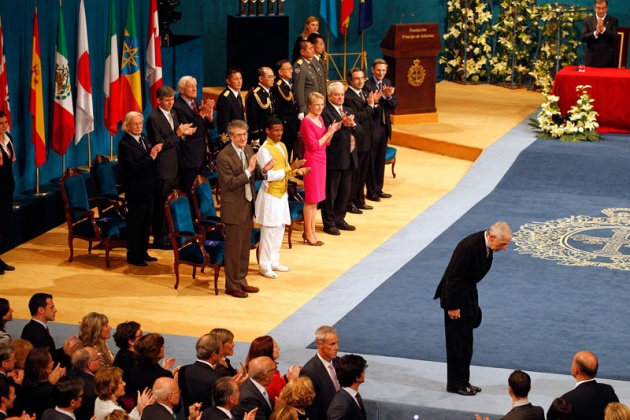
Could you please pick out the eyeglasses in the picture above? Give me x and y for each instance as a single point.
(239, 136)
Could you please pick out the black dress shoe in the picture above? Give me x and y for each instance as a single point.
(1, 272)
(332, 230)
(365, 207)
(136, 262)
(462, 391)
(373, 198)
(7, 267)
(384, 195)
(343, 225)
(149, 258)
(474, 388)
(354, 210)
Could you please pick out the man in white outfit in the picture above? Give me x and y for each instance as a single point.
(272, 203)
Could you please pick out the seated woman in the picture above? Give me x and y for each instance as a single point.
(39, 380)
(226, 337)
(109, 386)
(125, 337)
(94, 332)
(6, 315)
(267, 346)
(299, 394)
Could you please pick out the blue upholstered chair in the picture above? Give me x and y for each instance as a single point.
(107, 231)
(390, 158)
(205, 212)
(190, 247)
(109, 202)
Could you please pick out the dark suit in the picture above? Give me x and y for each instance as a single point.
(192, 152)
(144, 377)
(344, 407)
(287, 110)
(166, 165)
(236, 213)
(86, 411)
(339, 164)
(249, 399)
(469, 264)
(39, 398)
(589, 400)
(382, 132)
(600, 51)
(363, 115)
(52, 414)
(7, 187)
(229, 107)
(195, 382)
(39, 336)
(525, 412)
(213, 413)
(322, 384)
(260, 107)
(136, 174)
(156, 411)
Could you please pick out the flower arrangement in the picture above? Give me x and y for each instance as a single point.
(580, 124)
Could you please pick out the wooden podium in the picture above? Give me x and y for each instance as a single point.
(411, 53)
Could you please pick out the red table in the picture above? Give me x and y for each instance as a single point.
(610, 88)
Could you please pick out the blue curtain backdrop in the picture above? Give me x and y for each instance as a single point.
(204, 18)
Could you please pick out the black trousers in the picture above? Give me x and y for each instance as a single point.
(139, 215)
(376, 171)
(459, 350)
(359, 177)
(163, 188)
(338, 183)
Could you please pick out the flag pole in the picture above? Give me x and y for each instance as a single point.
(111, 147)
(89, 151)
(63, 163)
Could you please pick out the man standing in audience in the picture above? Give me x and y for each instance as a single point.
(192, 152)
(260, 106)
(85, 364)
(166, 395)
(318, 59)
(230, 104)
(253, 394)
(286, 108)
(305, 77)
(382, 128)
(164, 128)
(347, 403)
(458, 296)
(589, 398)
(321, 371)
(599, 31)
(519, 385)
(196, 380)
(68, 395)
(238, 172)
(362, 106)
(272, 203)
(341, 158)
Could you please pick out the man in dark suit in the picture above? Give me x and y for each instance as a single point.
(230, 104)
(260, 106)
(347, 403)
(164, 128)
(341, 158)
(225, 393)
(166, 394)
(363, 107)
(192, 152)
(321, 371)
(135, 164)
(589, 398)
(68, 395)
(252, 393)
(7, 395)
(238, 172)
(85, 364)
(457, 292)
(519, 385)
(600, 34)
(7, 184)
(382, 128)
(286, 108)
(36, 331)
(196, 380)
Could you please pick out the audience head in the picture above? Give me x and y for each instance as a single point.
(42, 307)
(307, 50)
(560, 409)
(6, 313)
(318, 43)
(67, 393)
(327, 342)
(234, 78)
(616, 411)
(225, 392)
(149, 349)
(237, 130)
(336, 93)
(313, 97)
(584, 365)
(310, 26)
(298, 392)
(208, 348)
(187, 87)
(132, 123)
(285, 413)
(379, 68)
(7, 358)
(266, 77)
(94, 329)
(601, 7)
(351, 369)
(39, 364)
(227, 340)
(126, 335)
(7, 392)
(284, 69)
(261, 346)
(108, 383)
(261, 369)
(166, 391)
(356, 78)
(4, 123)
(165, 97)
(22, 348)
(117, 415)
(520, 383)
(85, 360)
(499, 236)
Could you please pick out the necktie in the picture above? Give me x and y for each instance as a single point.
(170, 121)
(353, 143)
(333, 376)
(248, 186)
(360, 401)
(379, 85)
(140, 140)
(267, 398)
(193, 105)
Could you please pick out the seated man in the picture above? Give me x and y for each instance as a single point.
(519, 385)
(68, 394)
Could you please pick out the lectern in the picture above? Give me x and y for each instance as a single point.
(411, 53)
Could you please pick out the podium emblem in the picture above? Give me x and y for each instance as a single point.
(416, 74)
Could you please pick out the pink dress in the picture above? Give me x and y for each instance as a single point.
(315, 155)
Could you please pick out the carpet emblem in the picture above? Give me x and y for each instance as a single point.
(580, 240)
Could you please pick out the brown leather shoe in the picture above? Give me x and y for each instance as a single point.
(236, 293)
(250, 289)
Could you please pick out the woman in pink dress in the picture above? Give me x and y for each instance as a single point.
(316, 137)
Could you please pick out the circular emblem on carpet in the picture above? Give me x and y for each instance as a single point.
(580, 240)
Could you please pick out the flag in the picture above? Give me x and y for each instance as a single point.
(347, 6)
(111, 82)
(63, 112)
(36, 102)
(85, 108)
(130, 82)
(365, 15)
(328, 12)
(4, 81)
(154, 55)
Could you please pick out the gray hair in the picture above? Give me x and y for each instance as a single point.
(320, 333)
(333, 86)
(127, 120)
(500, 230)
(182, 82)
(236, 124)
(206, 345)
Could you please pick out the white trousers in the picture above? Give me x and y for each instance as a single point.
(269, 247)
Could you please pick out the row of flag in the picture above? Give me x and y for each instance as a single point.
(122, 85)
(328, 11)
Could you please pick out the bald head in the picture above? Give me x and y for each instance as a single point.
(261, 369)
(584, 365)
(166, 391)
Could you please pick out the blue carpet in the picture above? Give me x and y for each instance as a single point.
(537, 313)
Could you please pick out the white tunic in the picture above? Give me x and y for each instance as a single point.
(271, 210)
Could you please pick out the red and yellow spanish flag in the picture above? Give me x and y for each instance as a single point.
(37, 99)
